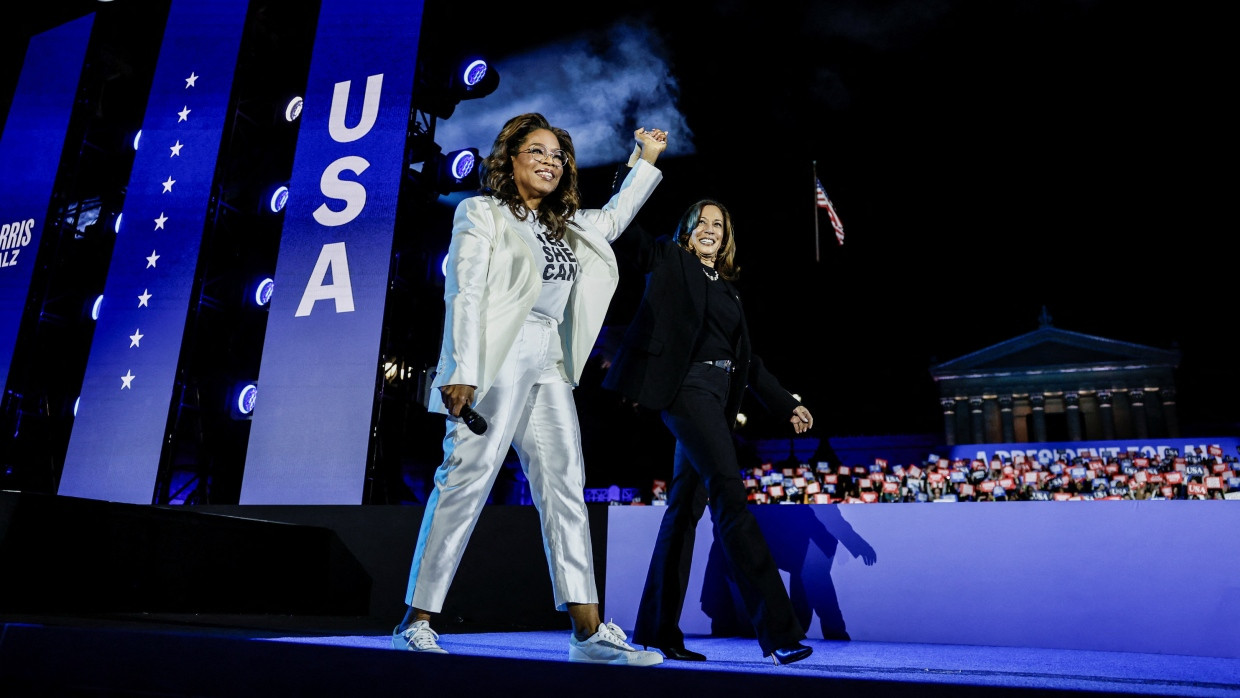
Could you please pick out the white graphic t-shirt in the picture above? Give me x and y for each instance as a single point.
(557, 267)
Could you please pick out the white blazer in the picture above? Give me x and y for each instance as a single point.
(493, 281)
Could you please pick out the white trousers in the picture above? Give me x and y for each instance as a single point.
(530, 407)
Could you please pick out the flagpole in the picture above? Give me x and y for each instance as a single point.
(816, 256)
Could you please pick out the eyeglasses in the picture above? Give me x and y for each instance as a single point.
(540, 153)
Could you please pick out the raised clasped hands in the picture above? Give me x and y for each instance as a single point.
(652, 142)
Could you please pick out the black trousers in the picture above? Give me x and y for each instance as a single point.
(706, 471)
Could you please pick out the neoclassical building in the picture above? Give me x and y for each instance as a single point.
(1056, 385)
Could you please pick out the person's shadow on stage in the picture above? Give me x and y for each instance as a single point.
(789, 530)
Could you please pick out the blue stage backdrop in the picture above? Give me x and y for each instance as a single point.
(119, 432)
(30, 148)
(316, 385)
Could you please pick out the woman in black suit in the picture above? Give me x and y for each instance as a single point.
(687, 354)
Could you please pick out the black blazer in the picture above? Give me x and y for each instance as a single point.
(654, 354)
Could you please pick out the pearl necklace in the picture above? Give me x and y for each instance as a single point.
(712, 274)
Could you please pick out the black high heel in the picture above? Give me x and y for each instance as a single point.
(792, 653)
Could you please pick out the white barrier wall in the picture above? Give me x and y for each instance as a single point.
(1157, 576)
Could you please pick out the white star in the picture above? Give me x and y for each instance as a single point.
(135, 338)
(184, 113)
(127, 379)
(176, 149)
(159, 222)
(168, 184)
(146, 296)
(150, 261)
(189, 81)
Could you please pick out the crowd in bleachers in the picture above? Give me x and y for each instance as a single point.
(1206, 474)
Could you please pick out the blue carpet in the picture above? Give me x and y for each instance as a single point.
(947, 665)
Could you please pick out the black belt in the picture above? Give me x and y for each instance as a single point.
(725, 364)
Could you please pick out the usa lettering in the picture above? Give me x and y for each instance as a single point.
(13, 238)
(333, 261)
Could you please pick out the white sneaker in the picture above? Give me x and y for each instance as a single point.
(418, 637)
(608, 646)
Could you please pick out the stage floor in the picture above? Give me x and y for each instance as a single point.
(164, 660)
(943, 665)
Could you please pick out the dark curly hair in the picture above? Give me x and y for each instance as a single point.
(496, 174)
(725, 259)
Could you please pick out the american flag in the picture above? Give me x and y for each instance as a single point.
(824, 202)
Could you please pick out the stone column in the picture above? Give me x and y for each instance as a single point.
(949, 420)
(1037, 405)
(1072, 406)
(1136, 400)
(1106, 415)
(1005, 417)
(1154, 414)
(962, 420)
(977, 422)
(1170, 418)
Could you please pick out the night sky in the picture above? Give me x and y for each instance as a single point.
(987, 159)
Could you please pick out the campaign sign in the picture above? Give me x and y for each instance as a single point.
(310, 434)
(30, 148)
(130, 382)
(1148, 448)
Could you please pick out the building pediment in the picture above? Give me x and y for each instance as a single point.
(1051, 348)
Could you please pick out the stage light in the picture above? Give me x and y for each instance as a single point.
(95, 307)
(457, 171)
(444, 173)
(137, 137)
(76, 402)
(461, 163)
(279, 197)
(116, 225)
(263, 291)
(243, 396)
(292, 110)
(439, 89)
(443, 266)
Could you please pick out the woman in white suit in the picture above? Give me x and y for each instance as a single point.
(529, 278)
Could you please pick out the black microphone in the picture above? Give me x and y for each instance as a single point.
(473, 420)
